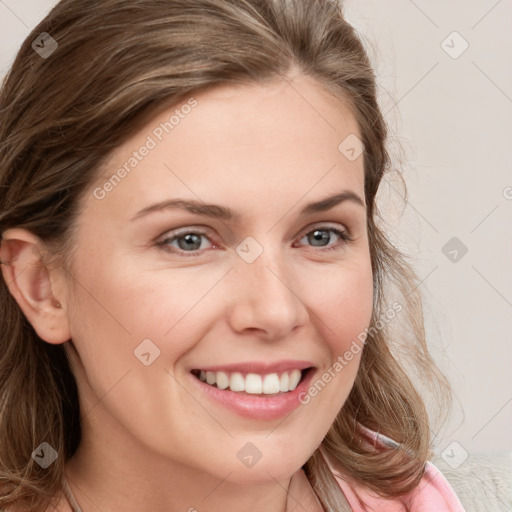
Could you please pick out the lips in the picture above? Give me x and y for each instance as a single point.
(256, 406)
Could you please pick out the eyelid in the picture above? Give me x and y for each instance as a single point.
(325, 225)
(173, 234)
(206, 229)
(343, 232)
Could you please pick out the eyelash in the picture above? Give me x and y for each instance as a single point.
(163, 244)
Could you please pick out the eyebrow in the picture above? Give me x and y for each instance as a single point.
(225, 213)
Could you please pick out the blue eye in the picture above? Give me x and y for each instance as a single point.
(316, 235)
(186, 240)
(190, 241)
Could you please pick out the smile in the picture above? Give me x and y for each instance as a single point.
(252, 383)
(257, 396)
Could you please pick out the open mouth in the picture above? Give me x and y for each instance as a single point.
(271, 384)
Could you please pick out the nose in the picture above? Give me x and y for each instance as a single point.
(265, 297)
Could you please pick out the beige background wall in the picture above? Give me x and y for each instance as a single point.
(446, 89)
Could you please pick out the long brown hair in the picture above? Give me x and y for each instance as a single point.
(116, 64)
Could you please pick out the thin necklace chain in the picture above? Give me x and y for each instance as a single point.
(70, 496)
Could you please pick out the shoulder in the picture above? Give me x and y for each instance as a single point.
(433, 493)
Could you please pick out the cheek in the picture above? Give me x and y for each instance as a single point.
(344, 305)
(343, 308)
(116, 310)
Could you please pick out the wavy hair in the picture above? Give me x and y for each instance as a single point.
(117, 64)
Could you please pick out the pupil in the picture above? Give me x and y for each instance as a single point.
(320, 234)
(192, 241)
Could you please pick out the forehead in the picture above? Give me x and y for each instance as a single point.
(241, 144)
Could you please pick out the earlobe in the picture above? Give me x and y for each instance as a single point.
(29, 280)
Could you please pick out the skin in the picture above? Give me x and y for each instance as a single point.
(151, 440)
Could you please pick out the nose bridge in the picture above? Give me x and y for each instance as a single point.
(266, 296)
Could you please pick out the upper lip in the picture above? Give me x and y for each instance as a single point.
(261, 368)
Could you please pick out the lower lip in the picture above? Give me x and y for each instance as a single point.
(258, 407)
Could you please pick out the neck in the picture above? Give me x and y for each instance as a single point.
(125, 477)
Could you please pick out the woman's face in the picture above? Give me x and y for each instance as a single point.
(160, 291)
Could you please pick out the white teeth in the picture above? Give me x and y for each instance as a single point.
(271, 384)
(253, 383)
(237, 382)
(222, 380)
(294, 379)
(284, 381)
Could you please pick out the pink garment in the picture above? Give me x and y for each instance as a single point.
(433, 493)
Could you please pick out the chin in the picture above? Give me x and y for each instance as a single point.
(266, 465)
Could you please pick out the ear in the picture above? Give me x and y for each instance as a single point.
(37, 289)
